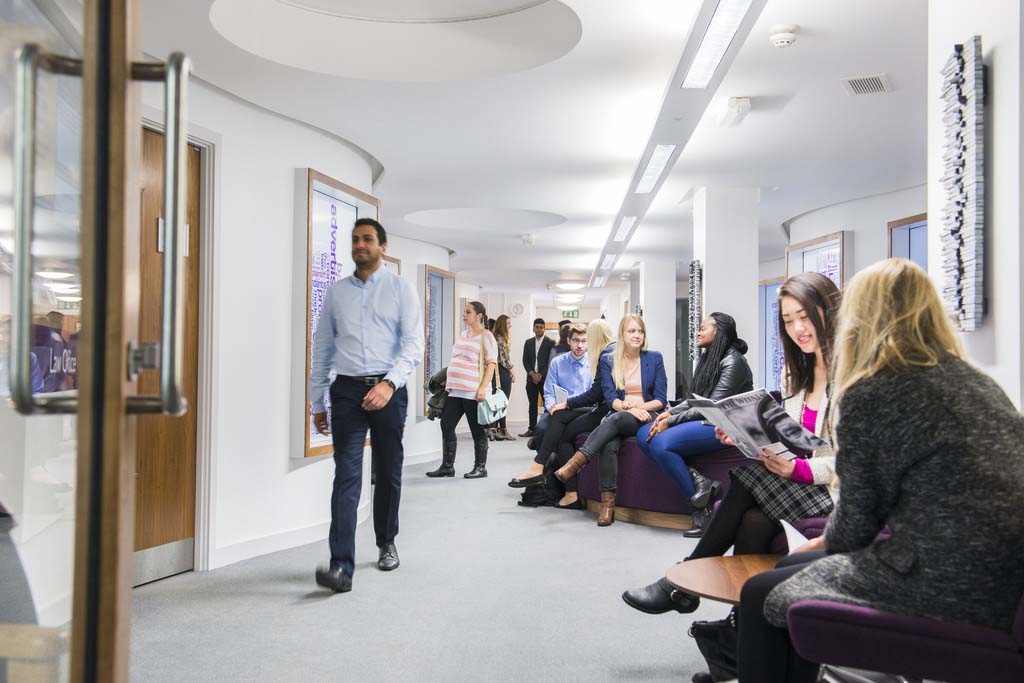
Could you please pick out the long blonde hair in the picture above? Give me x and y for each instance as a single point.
(619, 366)
(599, 335)
(890, 317)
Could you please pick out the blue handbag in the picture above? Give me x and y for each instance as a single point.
(492, 408)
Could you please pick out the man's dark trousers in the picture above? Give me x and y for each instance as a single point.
(533, 391)
(349, 423)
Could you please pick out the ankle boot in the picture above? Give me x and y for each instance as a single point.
(607, 514)
(569, 470)
(479, 470)
(503, 435)
(447, 468)
(704, 490)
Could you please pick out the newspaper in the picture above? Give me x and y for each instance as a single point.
(755, 420)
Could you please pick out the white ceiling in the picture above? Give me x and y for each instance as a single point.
(564, 137)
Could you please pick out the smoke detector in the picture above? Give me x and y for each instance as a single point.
(783, 35)
(528, 239)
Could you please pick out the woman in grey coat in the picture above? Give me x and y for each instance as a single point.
(929, 447)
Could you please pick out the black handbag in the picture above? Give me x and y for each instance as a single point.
(716, 640)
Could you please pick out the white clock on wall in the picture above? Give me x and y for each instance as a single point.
(517, 310)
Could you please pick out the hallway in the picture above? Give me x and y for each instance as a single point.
(487, 590)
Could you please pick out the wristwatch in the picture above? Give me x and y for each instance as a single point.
(393, 387)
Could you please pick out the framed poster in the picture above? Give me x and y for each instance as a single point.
(772, 358)
(439, 316)
(331, 209)
(830, 255)
(393, 264)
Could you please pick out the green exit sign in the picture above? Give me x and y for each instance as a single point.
(570, 314)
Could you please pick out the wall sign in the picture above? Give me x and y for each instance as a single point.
(696, 306)
(962, 231)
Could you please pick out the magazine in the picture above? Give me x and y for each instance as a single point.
(755, 420)
(561, 395)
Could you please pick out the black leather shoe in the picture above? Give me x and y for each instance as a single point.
(702, 677)
(701, 520)
(333, 579)
(532, 443)
(575, 505)
(445, 470)
(660, 597)
(529, 481)
(479, 471)
(705, 490)
(528, 432)
(388, 558)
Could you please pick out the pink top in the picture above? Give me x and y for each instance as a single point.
(634, 388)
(464, 368)
(801, 468)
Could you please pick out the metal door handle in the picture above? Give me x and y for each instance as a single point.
(174, 75)
(29, 59)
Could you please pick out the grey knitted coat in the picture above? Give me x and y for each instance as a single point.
(937, 455)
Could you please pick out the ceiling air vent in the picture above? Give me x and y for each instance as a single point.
(867, 85)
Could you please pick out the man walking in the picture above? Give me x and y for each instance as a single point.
(536, 354)
(371, 333)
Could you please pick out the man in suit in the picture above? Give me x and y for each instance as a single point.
(536, 355)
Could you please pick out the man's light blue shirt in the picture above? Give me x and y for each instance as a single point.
(568, 372)
(366, 328)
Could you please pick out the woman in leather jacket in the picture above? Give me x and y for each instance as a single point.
(721, 371)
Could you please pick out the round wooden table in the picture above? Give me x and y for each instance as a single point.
(719, 578)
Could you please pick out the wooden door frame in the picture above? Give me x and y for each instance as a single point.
(206, 425)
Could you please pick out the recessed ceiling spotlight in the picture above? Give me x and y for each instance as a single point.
(528, 239)
(715, 42)
(655, 167)
(624, 227)
(570, 286)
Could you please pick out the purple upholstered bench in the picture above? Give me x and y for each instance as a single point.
(643, 486)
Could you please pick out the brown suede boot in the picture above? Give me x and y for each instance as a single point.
(576, 463)
(607, 514)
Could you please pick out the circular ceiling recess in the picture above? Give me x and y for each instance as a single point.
(401, 40)
(495, 220)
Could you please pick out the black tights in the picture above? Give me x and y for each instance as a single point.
(738, 522)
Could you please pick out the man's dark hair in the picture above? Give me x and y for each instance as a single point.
(539, 321)
(564, 322)
(382, 235)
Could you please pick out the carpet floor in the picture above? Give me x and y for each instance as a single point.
(487, 590)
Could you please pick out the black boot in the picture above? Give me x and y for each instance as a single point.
(704, 490)
(701, 520)
(447, 468)
(479, 470)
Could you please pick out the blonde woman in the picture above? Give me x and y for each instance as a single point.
(506, 374)
(591, 342)
(635, 388)
(928, 446)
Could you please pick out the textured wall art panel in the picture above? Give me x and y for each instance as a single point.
(696, 305)
(963, 181)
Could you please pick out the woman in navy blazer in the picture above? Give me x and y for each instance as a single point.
(634, 385)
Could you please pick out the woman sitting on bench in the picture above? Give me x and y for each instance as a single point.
(748, 517)
(680, 432)
(635, 388)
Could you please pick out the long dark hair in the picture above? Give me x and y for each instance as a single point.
(709, 365)
(481, 311)
(819, 298)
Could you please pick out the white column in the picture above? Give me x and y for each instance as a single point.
(725, 241)
(657, 297)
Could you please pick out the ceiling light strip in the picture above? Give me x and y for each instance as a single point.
(625, 227)
(655, 167)
(716, 41)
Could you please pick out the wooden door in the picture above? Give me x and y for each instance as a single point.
(165, 483)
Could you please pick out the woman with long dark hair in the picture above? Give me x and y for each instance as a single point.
(634, 385)
(721, 371)
(474, 357)
(506, 374)
(748, 517)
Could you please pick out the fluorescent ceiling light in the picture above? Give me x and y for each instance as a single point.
(608, 262)
(69, 298)
(655, 167)
(570, 286)
(62, 288)
(624, 227)
(54, 274)
(570, 298)
(599, 282)
(568, 307)
(715, 43)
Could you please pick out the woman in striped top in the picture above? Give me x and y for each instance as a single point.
(474, 359)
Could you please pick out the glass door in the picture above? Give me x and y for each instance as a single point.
(38, 453)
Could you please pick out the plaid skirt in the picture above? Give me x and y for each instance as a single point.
(782, 498)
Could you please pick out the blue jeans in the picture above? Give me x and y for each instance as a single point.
(670, 449)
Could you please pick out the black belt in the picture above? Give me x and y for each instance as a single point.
(368, 380)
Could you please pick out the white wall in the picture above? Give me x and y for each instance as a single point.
(996, 347)
(522, 328)
(867, 218)
(771, 270)
(264, 500)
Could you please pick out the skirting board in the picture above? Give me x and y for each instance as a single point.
(662, 520)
